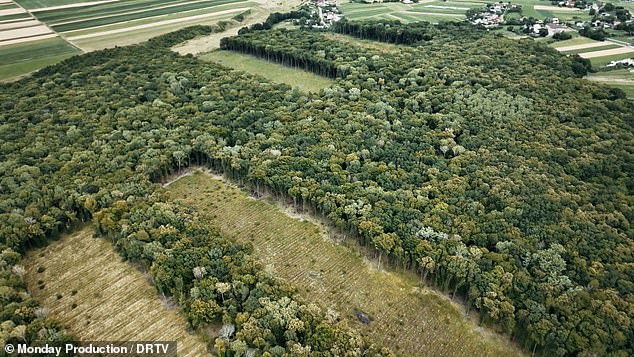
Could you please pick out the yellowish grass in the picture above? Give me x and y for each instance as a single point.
(100, 298)
(411, 319)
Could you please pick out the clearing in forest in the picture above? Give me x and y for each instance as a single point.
(274, 72)
(98, 297)
(413, 321)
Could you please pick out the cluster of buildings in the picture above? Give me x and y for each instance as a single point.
(325, 12)
(493, 15)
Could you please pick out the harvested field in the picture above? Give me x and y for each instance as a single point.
(27, 39)
(88, 288)
(13, 11)
(411, 319)
(582, 46)
(24, 32)
(611, 52)
(430, 13)
(556, 8)
(18, 24)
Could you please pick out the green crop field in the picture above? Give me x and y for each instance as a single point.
(19, 59)
(410, 13)
(602, 61)
(12, 17)
(410, 318)
(36, 4)
(99, 41)
(620, 78)
(118, 23)
(86, 286)
(107, 20)
(298, 78)
(578, 40)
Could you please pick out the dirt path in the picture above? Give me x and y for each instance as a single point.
(583, 46)
(258, 14)
(156, 24)
(603, 53)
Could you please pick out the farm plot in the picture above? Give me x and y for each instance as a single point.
(26, 44)
(431, 11)
(414, 321)
(86, 286)
(620, 78)
(101, 24)
(301, 79)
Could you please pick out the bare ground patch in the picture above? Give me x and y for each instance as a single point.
(582, 46)
(86, 286)
(604, 53)
(411, 319)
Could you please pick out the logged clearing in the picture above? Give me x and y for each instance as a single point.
(413, 321)
(304, 80)
(90, 290)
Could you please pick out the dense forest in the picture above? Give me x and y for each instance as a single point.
(483, 163)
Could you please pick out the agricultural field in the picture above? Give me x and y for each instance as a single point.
(453, 10)
(21, 58)
(298, 78)
(94, 25)
(410, 319)
(620, 78)
(599, 53)
(434, 11)
(37, 33)
(86, 286)
(97, 25)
